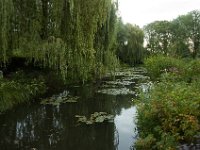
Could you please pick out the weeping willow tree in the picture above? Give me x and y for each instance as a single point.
(130, 44)
(105, 43)
(75, 37)
(6, 12)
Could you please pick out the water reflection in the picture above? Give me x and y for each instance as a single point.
(126, 127)
(55, 127)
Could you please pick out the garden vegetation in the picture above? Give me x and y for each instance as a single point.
(169, 114)
(77, 39)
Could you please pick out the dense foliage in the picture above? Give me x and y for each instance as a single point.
(130, 40)
(83, 39)
(161, 65)
(17, 91)
(169, 114)
(179, 37)
(72, 36)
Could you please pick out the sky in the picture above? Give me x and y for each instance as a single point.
(142, 12)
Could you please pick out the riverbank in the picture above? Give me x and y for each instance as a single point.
(29, 83)
(22, 83)
(169, 115)
(19, 88)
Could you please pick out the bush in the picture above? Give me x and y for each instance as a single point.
(192, 70)
(170, 115)
(18, 91)
(159, 64)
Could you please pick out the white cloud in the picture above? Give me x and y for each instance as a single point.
(142, 12)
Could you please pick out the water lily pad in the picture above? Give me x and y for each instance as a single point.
(60, 99)
(127, 71)
(119, 83)
(97, 117)
(136, 77)
(100, 119)
(70, 99)
(89, 122)
(82, 119)
(116, 91)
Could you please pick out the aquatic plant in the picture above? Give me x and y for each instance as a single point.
(61, 98)
(116, 91)
(96, 117)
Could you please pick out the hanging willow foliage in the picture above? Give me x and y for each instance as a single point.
(6, 12)
(71, 36)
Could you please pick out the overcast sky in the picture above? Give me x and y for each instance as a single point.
(142, 12)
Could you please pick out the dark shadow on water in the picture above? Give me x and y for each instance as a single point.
(46, 127)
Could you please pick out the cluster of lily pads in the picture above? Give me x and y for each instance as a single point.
(117, 83)
(97, 117)
(116, 91)
(130, 71)
(60, 99)
(125, 79)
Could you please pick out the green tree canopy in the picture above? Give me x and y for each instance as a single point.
(130, 43)
(180, 37)
(158, 36)
(186, 28)
(60, 34)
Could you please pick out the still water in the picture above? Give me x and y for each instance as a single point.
(47, 127)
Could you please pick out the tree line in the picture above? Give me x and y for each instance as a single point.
(79, 38)
(75, 37)
(84, 39)
(179, 37)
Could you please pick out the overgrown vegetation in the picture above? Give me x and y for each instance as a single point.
(83, 39)
(71, 37)
(170, 114)
(75, 37)
(16, 91)
(158, 65)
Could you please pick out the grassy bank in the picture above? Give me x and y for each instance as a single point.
(170, 114)
(17, 88)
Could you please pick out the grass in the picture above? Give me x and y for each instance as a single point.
(19, 90)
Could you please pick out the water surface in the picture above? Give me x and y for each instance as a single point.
(47, 127)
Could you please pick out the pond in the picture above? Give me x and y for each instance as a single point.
(56, 127)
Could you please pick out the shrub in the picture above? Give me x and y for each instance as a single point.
(18, 91)
(192, 70)
(159, 64)
(170, 115)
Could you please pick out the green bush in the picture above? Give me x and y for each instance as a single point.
(18, 91)
(192, 72)
(170, 115)
(157, 65)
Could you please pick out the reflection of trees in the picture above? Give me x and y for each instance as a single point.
(48, 127)
(116, 139)
(114, 104)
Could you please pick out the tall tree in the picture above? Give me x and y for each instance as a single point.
(60, 34)
(6, 13)
(158, 36)
(130, 43)
(187, 29)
